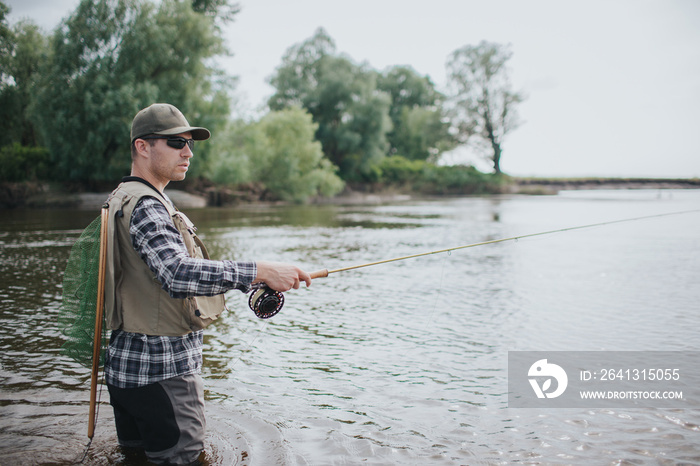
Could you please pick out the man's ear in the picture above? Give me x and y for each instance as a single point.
(142, 147)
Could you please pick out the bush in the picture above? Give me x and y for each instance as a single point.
(232, 154)
(427, 178)
(457, 179)
(279, 152)
(291, 163)
(20, 163)
(399, 170)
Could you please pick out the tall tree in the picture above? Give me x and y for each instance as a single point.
(6, 41)
(114, 57)
(351, 113)
(482, 100)
(22, 48)
(420, 127)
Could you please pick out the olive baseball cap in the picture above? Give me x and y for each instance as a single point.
(164, 120)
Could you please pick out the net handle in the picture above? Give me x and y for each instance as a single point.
(99, 312)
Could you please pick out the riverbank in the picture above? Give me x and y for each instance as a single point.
(554, 185)
(46, 196)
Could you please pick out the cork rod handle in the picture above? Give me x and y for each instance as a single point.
(319, 273)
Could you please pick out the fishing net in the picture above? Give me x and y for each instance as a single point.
(78, 309)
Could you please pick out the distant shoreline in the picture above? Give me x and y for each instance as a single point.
(554, 185)
(43, 196)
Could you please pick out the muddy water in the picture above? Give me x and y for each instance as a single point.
(402, 363)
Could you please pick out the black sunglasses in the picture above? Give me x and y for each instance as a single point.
(175, 142)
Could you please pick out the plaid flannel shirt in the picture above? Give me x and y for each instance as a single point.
(133, 359)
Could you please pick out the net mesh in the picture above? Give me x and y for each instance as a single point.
(78, 308)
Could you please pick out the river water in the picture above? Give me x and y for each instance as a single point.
(400, 363)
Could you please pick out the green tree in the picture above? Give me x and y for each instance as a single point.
(351, 113)
(114, 57)
(420, 126)
(22, 48)
(281, 153)
(483, 103)
(6, 42)
(233, 153)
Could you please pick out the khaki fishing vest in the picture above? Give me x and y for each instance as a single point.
(134, 298)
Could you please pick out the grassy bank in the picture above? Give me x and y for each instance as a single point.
(550, 185)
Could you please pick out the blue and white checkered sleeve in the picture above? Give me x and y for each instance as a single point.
(160, 245)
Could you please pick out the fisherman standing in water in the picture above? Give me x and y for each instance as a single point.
(161, 290)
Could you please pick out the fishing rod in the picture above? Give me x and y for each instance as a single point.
(266, 302)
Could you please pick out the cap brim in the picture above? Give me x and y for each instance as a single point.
(198, 133)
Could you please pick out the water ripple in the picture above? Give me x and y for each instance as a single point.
(404, 363)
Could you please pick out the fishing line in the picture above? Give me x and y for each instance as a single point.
(260, 332)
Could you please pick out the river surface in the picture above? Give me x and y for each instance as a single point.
(402, 363)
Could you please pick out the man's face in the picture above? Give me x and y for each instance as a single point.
(168, 163)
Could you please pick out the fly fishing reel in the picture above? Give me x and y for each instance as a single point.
(265, 302)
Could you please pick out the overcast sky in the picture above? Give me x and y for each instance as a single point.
(612, 86)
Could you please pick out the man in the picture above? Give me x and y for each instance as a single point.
(161, 290)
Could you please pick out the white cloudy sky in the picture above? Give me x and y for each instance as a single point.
(613, 86)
